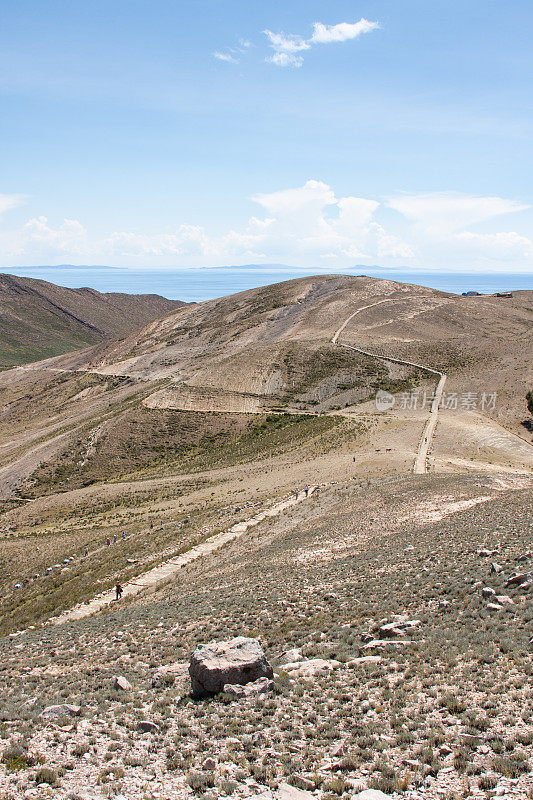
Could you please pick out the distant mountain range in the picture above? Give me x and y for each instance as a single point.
(39, 319)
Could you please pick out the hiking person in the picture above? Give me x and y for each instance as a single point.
(86, 550)
(108, 541)
(115, 539)
(306, 490)
(123, 535)
(296, 493)
(118, 590)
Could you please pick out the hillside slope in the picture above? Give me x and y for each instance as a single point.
(270, 347)
(39, 319)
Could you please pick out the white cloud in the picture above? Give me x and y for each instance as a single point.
(286, 60)
(324, 34)
(69, 237)
(503, 246)
(442, 213)
(301, 225)
(287, 46)
(225, 57)
(9, 201)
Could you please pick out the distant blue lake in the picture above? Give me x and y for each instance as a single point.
(204, 284)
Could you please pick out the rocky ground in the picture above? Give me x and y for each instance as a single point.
(400, 637)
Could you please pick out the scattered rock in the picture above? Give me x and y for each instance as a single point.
(504, 600)
(238, 661)
(290, 656)
(486, 553)
(288, 792)
(145, 726)
(388, 643)
(63, 709)
(254, 689)
(494, 607)
(495, 567)
(119, 682)
(363, 660)
(372, 794)
(488, 592)
(166, 674)
(310, 667)
(209, 764)
(521, 577)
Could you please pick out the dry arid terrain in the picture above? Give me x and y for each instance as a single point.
(39, 319)
(395, 608)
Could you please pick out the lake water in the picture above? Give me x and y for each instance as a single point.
(204, 284)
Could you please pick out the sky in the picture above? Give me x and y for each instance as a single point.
(193, 133)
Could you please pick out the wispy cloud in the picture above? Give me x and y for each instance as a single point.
(9, 201)
(288, 47)
(232, 55)
(225, 57)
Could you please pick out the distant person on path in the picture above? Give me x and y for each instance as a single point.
(86, 550)
(108, 541)
(115, 539)
(296, 493)
(123, 535)
(306, 490)
(118, 590)
(354, 459)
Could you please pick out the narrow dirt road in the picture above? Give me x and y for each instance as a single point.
(421, 459)
(169, 568)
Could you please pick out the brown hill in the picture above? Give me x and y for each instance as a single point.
(39, 319)
(271, 347)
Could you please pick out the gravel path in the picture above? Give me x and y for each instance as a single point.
(168, 569)
(420, 463)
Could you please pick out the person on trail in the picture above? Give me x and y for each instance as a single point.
(123, 535)
(108, 541)
(118, 590)
(151, 524)
(306, 490)
(354, 459)
(115, 539)
(86, 550)
(296, 493)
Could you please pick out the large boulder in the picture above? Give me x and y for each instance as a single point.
(238, 661)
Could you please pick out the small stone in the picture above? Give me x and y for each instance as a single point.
(209, 764)
(372, 794)
(288, 792)
(504, 599)
(66, 709)
(521, 577)
(488, 592)
(495, 567)
(120, 682)
(145, 726)
(291, 656)
(253, 689)
(311, 667)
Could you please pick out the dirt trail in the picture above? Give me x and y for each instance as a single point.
(168, 569)
(420, 463)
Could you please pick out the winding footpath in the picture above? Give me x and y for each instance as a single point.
(168, 569)
(420, 465)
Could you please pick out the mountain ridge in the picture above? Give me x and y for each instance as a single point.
(39, 319)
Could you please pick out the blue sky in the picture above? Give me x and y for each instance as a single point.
(181, 134)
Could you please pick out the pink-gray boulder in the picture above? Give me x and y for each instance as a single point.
(238, 661)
